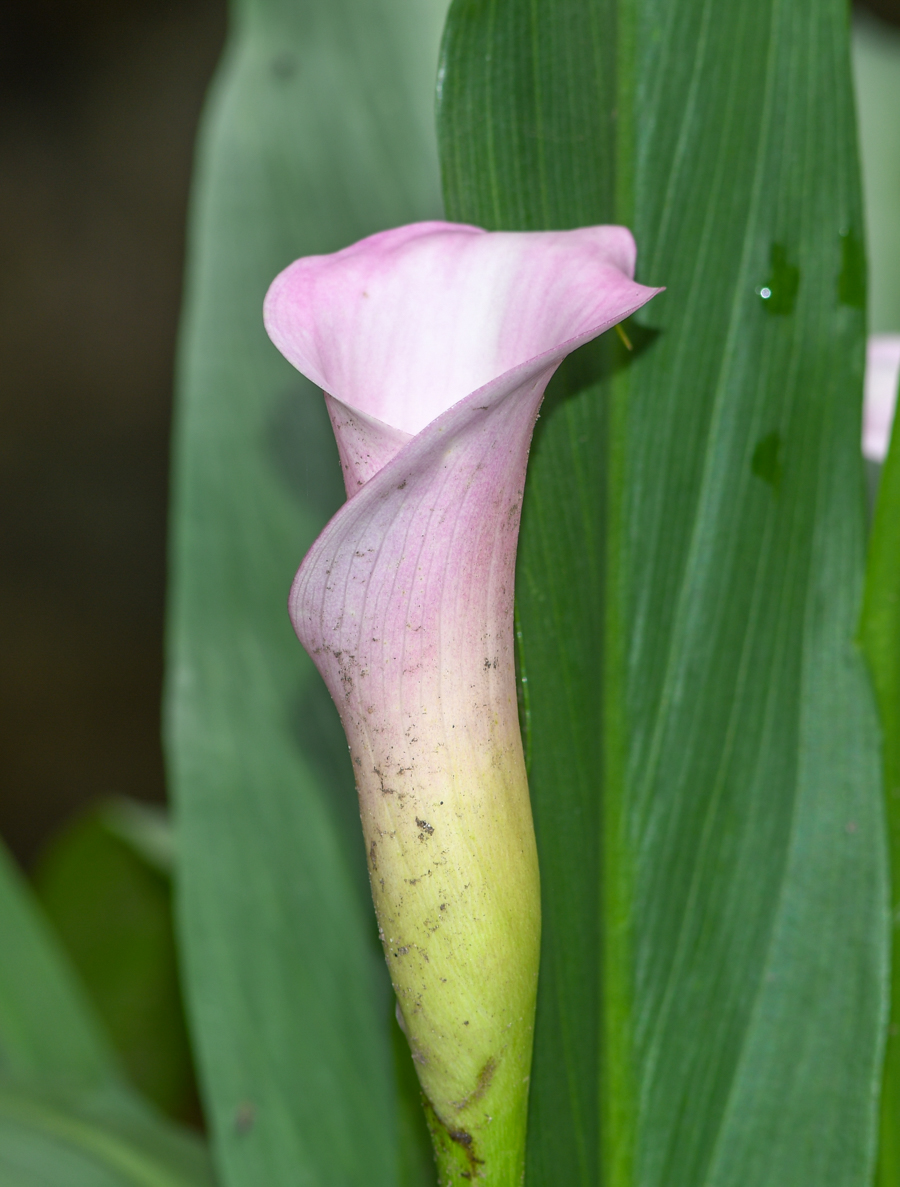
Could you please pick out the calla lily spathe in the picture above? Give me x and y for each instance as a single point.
(434, 344)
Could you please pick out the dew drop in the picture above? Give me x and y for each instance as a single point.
(779, 293)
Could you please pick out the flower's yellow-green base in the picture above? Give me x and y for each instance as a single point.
(454, 876)
(496, 1155)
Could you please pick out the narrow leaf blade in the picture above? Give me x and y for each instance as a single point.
(880, 633)
(47, 1029)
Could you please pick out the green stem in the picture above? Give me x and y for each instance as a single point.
(617, 1089)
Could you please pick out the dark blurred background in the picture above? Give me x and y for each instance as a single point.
(99, 103)
(887, 10)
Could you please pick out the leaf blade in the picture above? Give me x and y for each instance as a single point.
(318, 135)
(55, 1061)
(734, 583)
(96, 1141)
(47, 1030)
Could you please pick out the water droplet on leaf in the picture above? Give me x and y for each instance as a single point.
(779, 293)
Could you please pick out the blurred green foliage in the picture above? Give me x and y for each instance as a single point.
(104, 886)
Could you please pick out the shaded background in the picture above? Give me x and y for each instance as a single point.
(99, 102)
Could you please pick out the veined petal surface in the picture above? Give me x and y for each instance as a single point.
(405, 323)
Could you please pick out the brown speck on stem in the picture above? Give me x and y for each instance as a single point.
(482, 1084)
(443, 1134)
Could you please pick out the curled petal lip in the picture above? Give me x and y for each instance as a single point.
(371, 445)
(406, 323)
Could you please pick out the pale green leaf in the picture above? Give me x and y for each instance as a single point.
(66, 1115)
(47, 1030)
(319, 131)
(49, 1140)
(111, 905)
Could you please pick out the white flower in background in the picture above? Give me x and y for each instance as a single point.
(882, 377)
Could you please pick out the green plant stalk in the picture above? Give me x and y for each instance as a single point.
(880, 637)
(618, 1091)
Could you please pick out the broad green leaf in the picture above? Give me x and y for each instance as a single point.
(880, 633)
(65, 1113)
(702, 738)
(47, 1030)
(319, 131)
(112, 910)
(99, 1141)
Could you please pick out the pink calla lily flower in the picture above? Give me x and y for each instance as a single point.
(434, 344)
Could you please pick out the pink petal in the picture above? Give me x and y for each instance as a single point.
(407, 322)
(405, 604)
(882, 377)
(365, 445)
(411, 582)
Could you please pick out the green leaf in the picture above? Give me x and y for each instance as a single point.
(112, 911)
(66, 1117)
(703, 744)
(47, 1030)
(319, 131)
(880, 633)
(101, 1141)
